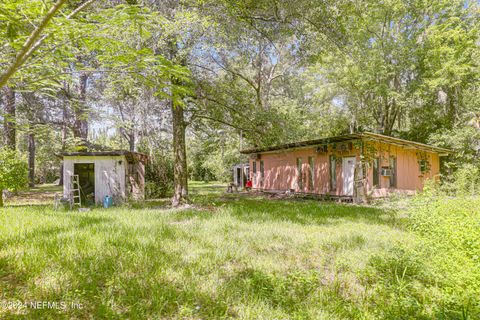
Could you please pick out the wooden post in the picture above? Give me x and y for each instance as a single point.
(360, 176)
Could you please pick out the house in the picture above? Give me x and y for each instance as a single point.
(351, 165)
(119, 174)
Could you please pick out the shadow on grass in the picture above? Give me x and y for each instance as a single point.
(32, 205)
(293, 292)
(14, 281)
(122, 279)
(203, 188)
(259, 209)
(127, 277)
(76, 222)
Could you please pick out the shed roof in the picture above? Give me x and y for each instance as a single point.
(131, 156)
(370, 136)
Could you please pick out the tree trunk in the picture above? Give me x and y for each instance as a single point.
(80, 126)
(60, 178)
(180, 167)
(130, 137)
(31, 160)
(131, 141)
(9, 116)
(64, 140)
(180, 184)
(1, 198)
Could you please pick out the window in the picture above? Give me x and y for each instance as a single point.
(254, 169)
(393, 168)
(424, 166)
(376, 172)
(299, 173)
(262, 172)
(333, 173)
(311, 177)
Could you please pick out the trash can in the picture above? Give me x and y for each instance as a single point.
(107, 202)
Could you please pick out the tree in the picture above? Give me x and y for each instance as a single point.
(35, 39)
(9, 125)
(153, 59)
(13, 172)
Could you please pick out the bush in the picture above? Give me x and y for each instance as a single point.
(450, 229)
(198, 172)
(465, 181)
(401, 281)
(438, 274)
(159, 176)
(13, 172)
(463, 141)
(220, 164)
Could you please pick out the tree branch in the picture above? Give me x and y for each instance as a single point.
(29, 44)
(34, 41)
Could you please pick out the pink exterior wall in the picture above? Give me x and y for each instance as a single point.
(281, 172)
(409, 176)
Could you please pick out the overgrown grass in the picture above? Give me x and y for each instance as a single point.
(228, 256)
(450, 229)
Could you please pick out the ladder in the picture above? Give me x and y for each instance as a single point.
(75, 191)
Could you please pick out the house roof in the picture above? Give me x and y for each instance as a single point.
(370, 136)
(131, 156)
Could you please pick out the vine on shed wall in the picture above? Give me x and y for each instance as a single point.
(423, 162)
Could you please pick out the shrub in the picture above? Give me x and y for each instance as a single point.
(401, 281)
(438, 274)
(13, 172)
(450, 229)
(465, 181)
(159, 176)
(220, 164)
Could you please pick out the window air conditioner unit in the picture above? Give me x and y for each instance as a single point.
(386, 172)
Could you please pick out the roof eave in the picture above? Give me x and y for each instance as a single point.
(364, 135)
(128, 154)
(406, 143)
(304, 144)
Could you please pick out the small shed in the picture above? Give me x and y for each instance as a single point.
(119, 174)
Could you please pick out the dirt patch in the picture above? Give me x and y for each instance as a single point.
(43, 194)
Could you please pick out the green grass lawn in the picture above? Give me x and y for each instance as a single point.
(226, 256)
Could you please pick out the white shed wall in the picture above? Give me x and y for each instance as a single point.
(109, 175)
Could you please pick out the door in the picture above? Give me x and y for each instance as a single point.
(86, 177)
(348, 175)
(239, 177)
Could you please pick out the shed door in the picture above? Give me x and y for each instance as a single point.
(86, 177)
(348, 175)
